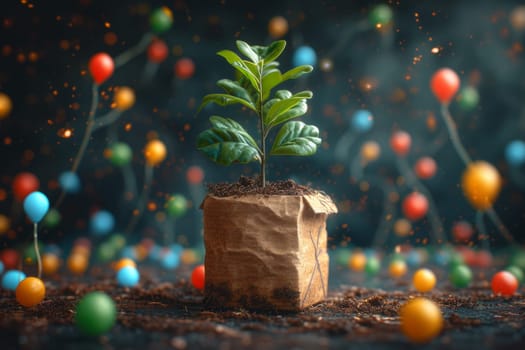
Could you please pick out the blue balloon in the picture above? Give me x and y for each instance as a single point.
(170, 260)
(102, 222)
(362, 120)
(11, 279)
(128, 276)
(128, 252)
(515, 153)
(36, 206)
(176, 248)
(304, 55)
(414, 258)
(69, 182)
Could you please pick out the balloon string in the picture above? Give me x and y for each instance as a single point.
(148, 177)
(169, 231)
(482, 229)
(493, 216)
(412, 181)
(453, 133)
(133, 52)
(389, 211)
(107, 119)
(85, 140)
(356, 168)
(344, 145)
(37, 250)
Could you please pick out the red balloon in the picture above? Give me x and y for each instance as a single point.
(157, 51)
(425, 168)
(24, 184)
(184, 68)
(462, 231)
(483, 259)
(10, 258)
(101, 67)
(469, 256)
(400, 142)
(195, 175)
(197, 277)
(444, 84)
(504, 283)
(415, 206)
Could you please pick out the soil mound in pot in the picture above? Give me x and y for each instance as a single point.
(251, 185)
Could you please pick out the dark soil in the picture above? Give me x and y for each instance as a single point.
(251, 185)
(171, 315)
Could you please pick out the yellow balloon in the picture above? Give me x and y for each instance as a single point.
(357, 261)
(155, 152)
(370, 151)
(124, 98)
(481, 184)
(5, 105)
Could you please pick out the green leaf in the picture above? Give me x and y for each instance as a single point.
(271, 79)
(230, 124)
(283, 94)
(268, 104)
(296, 139)
(247, 51)
(296, 72)
(292, 113)
(274, 51)
(227, 142)
(235, 89)
(240, 65)
(284, 105)
(270, 66)
(225, 100)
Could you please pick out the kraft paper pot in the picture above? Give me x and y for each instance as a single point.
(266, 252)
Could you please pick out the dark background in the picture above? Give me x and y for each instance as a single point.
(50, 92)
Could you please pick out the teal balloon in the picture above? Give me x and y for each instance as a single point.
(36, 206)
(177, 205)
(161, 20)
(120, 154)
(342, 256)
(372, 266)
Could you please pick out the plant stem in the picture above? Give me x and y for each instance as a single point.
(261, 122)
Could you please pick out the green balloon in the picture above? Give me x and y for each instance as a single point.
(517, 272)
(117, 241)
(161, 20)
(177, 205)
(518, 259)
(342, 255)
(96, 313)
(468, 98)
(121, 154)
(380, 14)
(52, 218)
(455, 259)
(106, 252)
(372, 266)
(460, 276)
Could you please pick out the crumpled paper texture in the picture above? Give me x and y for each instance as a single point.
(266, 252)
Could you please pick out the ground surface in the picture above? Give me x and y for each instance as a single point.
(164, 312)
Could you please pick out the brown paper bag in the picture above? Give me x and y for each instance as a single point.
(266, 252)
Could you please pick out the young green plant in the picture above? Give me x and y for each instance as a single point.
(227, 142)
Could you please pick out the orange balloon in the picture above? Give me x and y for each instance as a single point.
(77, 263)
(101, 67)
(184, 68)
(195, 175)
(5, 105)
(124, 98)
(5, 224)
(277, 27)
(123, 263)
(402, 227)
(30, 291)
(444, 84)
(481, 184)
(155, 152)
(370, 151)
(50, 263)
